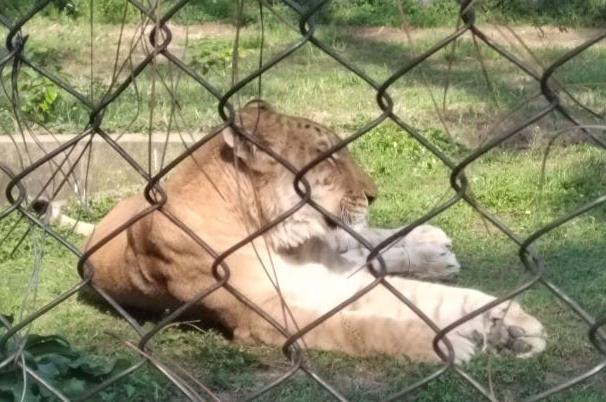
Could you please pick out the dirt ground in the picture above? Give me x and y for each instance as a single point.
(533, 37)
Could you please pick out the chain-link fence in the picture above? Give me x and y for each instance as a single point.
(159, 37)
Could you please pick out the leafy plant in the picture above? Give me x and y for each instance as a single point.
(67, 7)
(68, 370)
(93, 211)
(39, 96)
(211, 55)
(112, 11)
(216, 55)
(196, 11)
(107, 11)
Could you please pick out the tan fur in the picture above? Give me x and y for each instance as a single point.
(229, 189)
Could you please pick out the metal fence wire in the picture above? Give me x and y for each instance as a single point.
(20, 201)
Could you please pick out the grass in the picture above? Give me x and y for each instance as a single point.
(507, 182)
(360, 12)
(293, 83)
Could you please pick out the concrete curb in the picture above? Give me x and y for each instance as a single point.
(108, 173)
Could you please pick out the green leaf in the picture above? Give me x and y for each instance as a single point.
(12, 384)
(40, 345)
(53, 365)
(91, 366)
(7, 380)
(50, 95)
(7, 396)
(48, 370)
(130, 390)
(119, 366)
(72, 387)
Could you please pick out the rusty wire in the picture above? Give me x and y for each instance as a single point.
(19, 202)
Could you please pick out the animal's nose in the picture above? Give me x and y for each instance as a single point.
(370, 198)
(40, 205)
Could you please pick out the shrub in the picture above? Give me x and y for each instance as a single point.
(419, 13)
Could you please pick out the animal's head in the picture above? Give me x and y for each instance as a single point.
(338, 184)
(430, 253)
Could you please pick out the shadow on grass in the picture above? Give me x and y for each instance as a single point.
(192, 319)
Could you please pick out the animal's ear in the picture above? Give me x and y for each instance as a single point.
(243, 149)
(249, 119)
(258, 105)
(247, 152)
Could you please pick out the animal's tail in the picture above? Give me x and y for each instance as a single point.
(52, 211)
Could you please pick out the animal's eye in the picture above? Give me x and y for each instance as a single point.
(448, 246)
(443, 254)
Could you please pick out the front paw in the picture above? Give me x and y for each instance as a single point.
(514, 331)
(424, 253)
(508, 330)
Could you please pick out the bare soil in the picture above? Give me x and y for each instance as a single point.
(533, 37)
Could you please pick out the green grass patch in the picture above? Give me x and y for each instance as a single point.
(178, 103)
(349, 12)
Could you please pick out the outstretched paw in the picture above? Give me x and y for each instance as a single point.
(513, 331)
(506, 330)
(426, 254)
(510, 330)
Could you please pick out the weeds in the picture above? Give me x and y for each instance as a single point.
(419, 13)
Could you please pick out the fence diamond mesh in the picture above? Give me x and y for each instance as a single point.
(63, 158)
